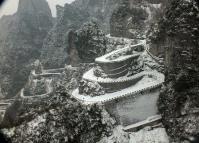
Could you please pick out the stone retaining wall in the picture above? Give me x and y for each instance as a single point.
(133, 93)
(133, 108)
(115, 63)
(116, 86)
(117, 69)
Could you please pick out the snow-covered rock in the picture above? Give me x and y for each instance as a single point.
(146, 135)
(61, 119)
(89, 88)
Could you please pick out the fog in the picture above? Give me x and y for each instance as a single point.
(10, 6)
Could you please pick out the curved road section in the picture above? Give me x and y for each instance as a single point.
(150, 80)
(49, 89)
(123, 86)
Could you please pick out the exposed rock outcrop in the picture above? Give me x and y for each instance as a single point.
(60, 10)
(70, 18)
(132, 18)
(90, 42)
(90, 89)
(21, 39)
(178, 32)
(101, 10)
(54, 51)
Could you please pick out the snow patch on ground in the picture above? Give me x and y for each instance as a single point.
(118, 136)
(34, 124)
(115, 43)
(158, 135)
(143, 136)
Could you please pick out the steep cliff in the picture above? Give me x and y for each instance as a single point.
(70, 18)
(21, 38)
(99, 10)
(178, 33)
(54, 51)
(90, 42)
(132, 18)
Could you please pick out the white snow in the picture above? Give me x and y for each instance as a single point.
(44, 74)
(49, 90)
(91, 77)
(58, 70)
(34, 124)
(148, 120)
(158, 135)
(188, 1)
(105, 58)
(145, 135)
(151, 79)
(126, 40)
(156, 6)
(147, 82)
(148, 10)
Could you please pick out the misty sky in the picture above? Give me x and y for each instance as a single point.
(10, 6)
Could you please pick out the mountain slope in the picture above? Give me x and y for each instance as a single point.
(177, 34)
(21, 38)
(54, 50)
(70, 19)
(101, 10)
(132, 18)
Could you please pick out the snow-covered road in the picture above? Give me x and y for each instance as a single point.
(150, 80)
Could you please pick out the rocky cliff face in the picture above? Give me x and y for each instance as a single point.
(70, 18)
(21, 38)
(132, 19)
(85, 44)
(101, 10)
(54, 51)
(178, 31)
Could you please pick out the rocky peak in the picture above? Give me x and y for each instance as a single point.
(85, 44)
(70, 18)
(54, 50)
(35, 12)
(34, 7)
(60, 10)
(101, 10)
(21, 38)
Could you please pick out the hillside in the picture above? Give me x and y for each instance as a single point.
(21, 39)
(177, 36)
(106, 72)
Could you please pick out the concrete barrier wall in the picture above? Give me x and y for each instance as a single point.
(60, 70)
(117, 69)
(35, 96)
(116, 86)
(134, 108)
(49, 92)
